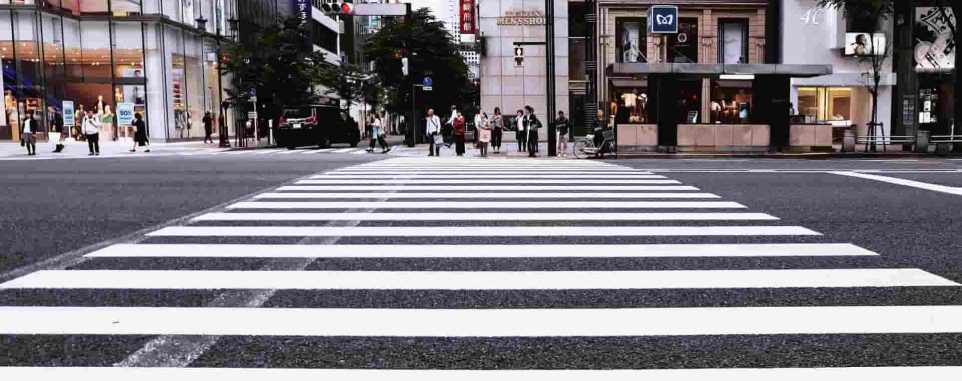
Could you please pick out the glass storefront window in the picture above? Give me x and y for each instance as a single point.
(194, 63)
(125, 7)
(632, 37)
(689, 102)
(733, 41)
(7, 77)
(85, 6)
(825, 104)
(576, 52)
(27, 68)
(731, 101)
(683, 47)
(632, 105)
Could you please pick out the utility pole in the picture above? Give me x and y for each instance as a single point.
(550, 85)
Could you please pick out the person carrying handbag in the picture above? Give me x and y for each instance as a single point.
(484, 134)
(27, 130)
(432, 127)
(57, 131)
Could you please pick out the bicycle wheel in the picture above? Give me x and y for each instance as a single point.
(579, 148)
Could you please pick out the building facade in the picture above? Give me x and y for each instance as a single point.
(157, 58)
(924, 97)
(841, 99)
(505, 83)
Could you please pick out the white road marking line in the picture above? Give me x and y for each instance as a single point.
(480, 231)
(267, 152)
(343, 150)
(475, 280)
(567, 188)
(485, 217)
(487, 176)
(321, 150)
(360, 152)
(287, 152)
(908, 183)
(933, 373)
(738, 250)
(486, 172)
(475, 196)
(485, 181)
(487, 205)
(543, 322)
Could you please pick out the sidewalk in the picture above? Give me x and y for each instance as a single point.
(74, 148)
(507, 151)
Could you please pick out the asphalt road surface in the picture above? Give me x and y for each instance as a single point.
(351, 267)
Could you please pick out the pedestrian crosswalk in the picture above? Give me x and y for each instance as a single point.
(433, 268)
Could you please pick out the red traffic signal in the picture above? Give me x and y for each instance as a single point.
(347, 8)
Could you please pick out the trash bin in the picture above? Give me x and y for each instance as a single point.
(922, 139)
(848, 141)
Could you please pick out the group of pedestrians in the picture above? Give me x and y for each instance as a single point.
(490, 131)
(89, 128)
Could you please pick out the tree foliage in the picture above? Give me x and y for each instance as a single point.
(278, 66)
(431, 52)
(348, 81)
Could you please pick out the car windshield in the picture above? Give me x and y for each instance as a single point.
(299, 113)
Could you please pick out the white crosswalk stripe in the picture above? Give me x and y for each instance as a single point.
(429, 259)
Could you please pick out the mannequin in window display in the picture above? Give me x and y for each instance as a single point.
(10, 105)
(107, 120)
(78, 117)
(100, 105)
(716, 109)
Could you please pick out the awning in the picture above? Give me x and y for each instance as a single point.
(628, 82)
(702, 69)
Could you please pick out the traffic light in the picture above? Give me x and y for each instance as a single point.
(518, 56)
(337, 7)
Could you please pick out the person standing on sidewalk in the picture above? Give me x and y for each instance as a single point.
(497, 130)
(449, 126)
(91, 130)
(140, 133)
(57, 131)
(561, 124)
(519, 131)
(27, 130)
(432, 127)
(484, 134)
(532, 125)
(460, 129)
(208, 127)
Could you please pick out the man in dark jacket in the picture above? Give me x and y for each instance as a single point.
(531, 126)
(561, 124)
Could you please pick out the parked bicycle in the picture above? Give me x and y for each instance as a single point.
(585, 147)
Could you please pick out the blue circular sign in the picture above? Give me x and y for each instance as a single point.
(427, 82)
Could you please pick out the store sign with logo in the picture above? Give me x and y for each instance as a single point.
(468, 26)
(663, 19)
(522, 18)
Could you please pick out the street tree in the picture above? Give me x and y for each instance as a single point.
(875, 13)
(279, 66)
(347, 81)
(430, 51)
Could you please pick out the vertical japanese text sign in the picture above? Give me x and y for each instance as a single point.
(467, 17)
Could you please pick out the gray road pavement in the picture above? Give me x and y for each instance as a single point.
(342, 262)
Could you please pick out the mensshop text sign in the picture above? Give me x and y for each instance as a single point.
(662, 19)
